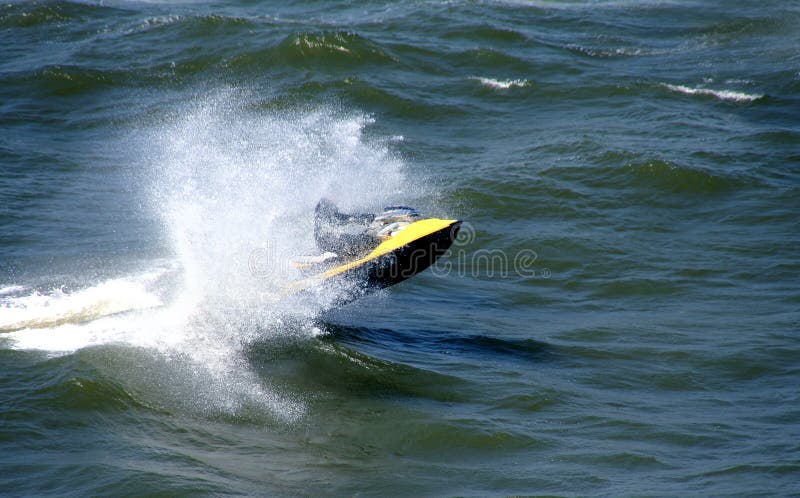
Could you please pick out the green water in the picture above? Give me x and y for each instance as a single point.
(618, 317)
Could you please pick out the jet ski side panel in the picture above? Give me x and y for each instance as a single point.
(408, 252)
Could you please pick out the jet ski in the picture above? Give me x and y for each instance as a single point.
(365, 252)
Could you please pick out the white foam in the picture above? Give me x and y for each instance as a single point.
(720, 94)
(11, 289)
(500, 84)
(43, 310)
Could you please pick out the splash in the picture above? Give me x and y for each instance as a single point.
(231, 185)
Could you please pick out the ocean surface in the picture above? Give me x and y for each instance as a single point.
(620, 315)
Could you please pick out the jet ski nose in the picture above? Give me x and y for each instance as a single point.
(455, 227)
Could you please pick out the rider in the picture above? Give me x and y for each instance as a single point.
(341, 233)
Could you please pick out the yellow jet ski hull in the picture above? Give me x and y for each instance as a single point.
(399, 257)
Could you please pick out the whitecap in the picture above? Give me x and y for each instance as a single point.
(500, 84)
(720, 94)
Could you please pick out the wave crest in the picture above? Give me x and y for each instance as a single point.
(332, 47)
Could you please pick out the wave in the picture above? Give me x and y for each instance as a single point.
(487, 33)
(327, 49)
(719, 94)
(605, 53)
(479, 60)
(156, 22)
(646, 176)
(33, 14)
(189, 25)
(500, 84)
(483, 345)
(332, 47)
(335, 366)
(681, 179)
(64, 80)
(199, 22)
(365, 95)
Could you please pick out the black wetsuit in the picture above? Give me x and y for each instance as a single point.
(340, 233)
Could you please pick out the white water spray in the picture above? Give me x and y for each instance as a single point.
(228, 181)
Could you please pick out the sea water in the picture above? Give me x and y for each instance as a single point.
(619, 315)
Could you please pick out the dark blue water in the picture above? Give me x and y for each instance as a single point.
(618, 317)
